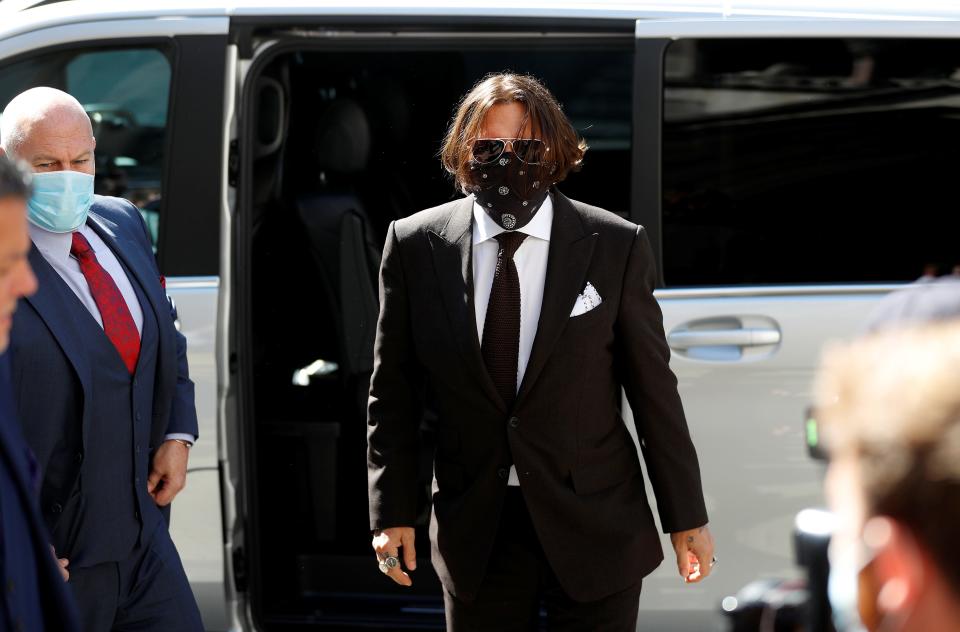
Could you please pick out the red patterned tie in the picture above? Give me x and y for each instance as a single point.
(118, 323)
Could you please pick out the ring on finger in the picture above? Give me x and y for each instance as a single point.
(388, 563)
(713, 562)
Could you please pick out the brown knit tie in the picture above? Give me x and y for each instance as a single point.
(501, 329)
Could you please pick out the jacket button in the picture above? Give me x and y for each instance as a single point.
(503, 472)
(57, 508)
(79, 457)
(138, 416)
(514, 422)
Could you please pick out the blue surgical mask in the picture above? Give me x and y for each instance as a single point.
(60, 200)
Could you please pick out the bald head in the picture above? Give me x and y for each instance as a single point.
(48, 129)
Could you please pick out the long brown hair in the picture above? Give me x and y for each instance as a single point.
(546, 117)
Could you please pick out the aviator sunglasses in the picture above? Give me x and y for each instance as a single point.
(528, 150)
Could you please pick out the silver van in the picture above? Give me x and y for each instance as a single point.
(792, 165)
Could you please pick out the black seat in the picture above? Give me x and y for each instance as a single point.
(340, 237)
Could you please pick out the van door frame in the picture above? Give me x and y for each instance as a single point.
(254, 56)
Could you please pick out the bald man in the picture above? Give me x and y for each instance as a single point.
(101, 379)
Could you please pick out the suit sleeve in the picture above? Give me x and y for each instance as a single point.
(395, 406)
(183, 410)
(651, 389)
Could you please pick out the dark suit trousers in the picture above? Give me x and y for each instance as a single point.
(146, 592)
(519, 582)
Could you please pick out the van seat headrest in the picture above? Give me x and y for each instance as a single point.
(342, 137)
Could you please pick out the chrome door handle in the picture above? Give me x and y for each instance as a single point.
(750, 337)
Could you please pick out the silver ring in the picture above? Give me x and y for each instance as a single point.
(388, 563)
(713, 562)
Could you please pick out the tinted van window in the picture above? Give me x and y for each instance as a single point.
(126, 92)
(810, 161)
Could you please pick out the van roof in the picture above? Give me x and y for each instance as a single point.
(18, 16)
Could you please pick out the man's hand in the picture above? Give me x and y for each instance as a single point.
(62, 564)
(694, 550)
(388, 542)
(168, 474)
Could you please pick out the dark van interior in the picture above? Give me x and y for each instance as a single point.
(346, 142)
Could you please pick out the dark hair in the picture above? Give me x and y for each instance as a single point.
(543, 111)
(14, 179)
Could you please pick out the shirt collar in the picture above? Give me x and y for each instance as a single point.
(485, 228)
(57, 246)
(53, 246)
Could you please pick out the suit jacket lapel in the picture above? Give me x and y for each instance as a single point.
(58, 316)
(453, 260)
(571, 249)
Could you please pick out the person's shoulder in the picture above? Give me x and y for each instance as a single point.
(121, 216)
(118, 210)
(433, 219)
(601, 221)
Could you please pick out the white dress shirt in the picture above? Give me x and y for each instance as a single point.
(531, 262)
(55, 248)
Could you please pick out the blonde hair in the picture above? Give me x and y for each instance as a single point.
(892, 402)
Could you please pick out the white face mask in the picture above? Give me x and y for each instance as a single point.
(846, 564)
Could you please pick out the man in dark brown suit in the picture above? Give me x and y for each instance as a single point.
(526, 313)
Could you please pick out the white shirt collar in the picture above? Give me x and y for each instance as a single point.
(53, 246)
(485, 228)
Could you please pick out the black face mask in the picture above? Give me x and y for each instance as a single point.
(510, 190)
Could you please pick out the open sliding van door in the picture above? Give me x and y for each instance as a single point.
(791, 174)
(339, 121)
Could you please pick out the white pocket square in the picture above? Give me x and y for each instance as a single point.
(589, 299)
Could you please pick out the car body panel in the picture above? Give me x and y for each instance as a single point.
(745, 412)
(746, 419)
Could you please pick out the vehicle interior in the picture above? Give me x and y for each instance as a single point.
(346, 142)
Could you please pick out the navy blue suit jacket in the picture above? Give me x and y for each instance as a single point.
(50, 597)
(52, 376)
